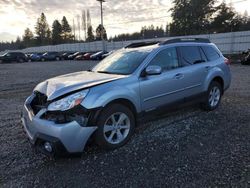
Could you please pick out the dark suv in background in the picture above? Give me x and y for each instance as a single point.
(13, 57)
(51, 56)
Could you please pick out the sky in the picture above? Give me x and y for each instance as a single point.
(119, 16)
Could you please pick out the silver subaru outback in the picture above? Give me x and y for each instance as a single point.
(106, 103)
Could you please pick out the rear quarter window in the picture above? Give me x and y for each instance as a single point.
(211, 53)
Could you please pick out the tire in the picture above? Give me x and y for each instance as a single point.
(213, 96)
(20, 60)
(57, 58)
(116, 135)
(42, 59)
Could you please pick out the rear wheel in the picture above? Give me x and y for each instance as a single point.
(20, 60)
(115, 126)
(57, 58)
(213, 96)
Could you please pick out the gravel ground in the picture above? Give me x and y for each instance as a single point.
(184, 148)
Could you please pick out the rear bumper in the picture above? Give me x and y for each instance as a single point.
(69, 137)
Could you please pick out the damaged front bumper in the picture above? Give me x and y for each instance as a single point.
(69, 137)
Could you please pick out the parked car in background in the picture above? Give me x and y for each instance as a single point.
(28, 56)
(80, 57)
(87, 56)
(65, 56)
(35, 57)
(107, 54)
(10, 57)
(97, 55)
(50, 56)
(73, 56)
(245, 60)
(130, 85)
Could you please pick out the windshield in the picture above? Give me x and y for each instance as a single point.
(124, 61)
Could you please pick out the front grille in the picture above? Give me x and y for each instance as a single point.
(39, 102)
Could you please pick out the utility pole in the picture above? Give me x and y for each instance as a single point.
(103, 42)
(74, 30)
(79, 27)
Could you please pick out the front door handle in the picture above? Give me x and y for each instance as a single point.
(179, 76)
(207, 68)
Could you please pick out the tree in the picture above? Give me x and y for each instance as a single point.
(56, 32)
(48, 36)
(191, 16)
(245, 26)
(28, 38)
(99, 31)
(42, 30)
(66, 30)
(84, 24)
(90, 34)
(224, 20)
(18, 43)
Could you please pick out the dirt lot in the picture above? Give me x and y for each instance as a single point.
(185, 148)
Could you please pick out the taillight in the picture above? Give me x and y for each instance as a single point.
(227, 61)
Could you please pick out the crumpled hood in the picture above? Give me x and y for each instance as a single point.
(61, 85)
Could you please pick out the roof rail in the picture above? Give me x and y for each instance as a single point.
(178, 40)
(141, 44)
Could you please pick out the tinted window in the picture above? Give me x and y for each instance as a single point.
(190, 55)
(203, 56)
(166, 59)
(211, 53)
(20, 54)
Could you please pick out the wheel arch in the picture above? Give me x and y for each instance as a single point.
(216, 75)
(220, 80)
(129, 104)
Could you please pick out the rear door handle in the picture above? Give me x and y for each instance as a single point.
(179, 76)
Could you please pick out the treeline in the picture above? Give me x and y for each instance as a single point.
(61, 32)
(147, 32)
(192, 18)
(202, 17)
(189, 17)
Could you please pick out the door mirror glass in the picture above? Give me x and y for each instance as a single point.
(153, 70)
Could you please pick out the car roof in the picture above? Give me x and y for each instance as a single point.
(170, 42)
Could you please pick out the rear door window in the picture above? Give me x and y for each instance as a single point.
(190, 55)
(211, 53)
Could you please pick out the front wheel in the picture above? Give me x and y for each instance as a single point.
(213, 96)
(115, 126)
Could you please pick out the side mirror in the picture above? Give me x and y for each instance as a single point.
(153, 70)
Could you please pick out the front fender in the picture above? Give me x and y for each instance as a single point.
(102, 95)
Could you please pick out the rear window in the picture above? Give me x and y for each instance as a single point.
(190, 55)
(211, 53)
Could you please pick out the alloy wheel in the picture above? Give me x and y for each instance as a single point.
(214, 96)
(116, 128)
